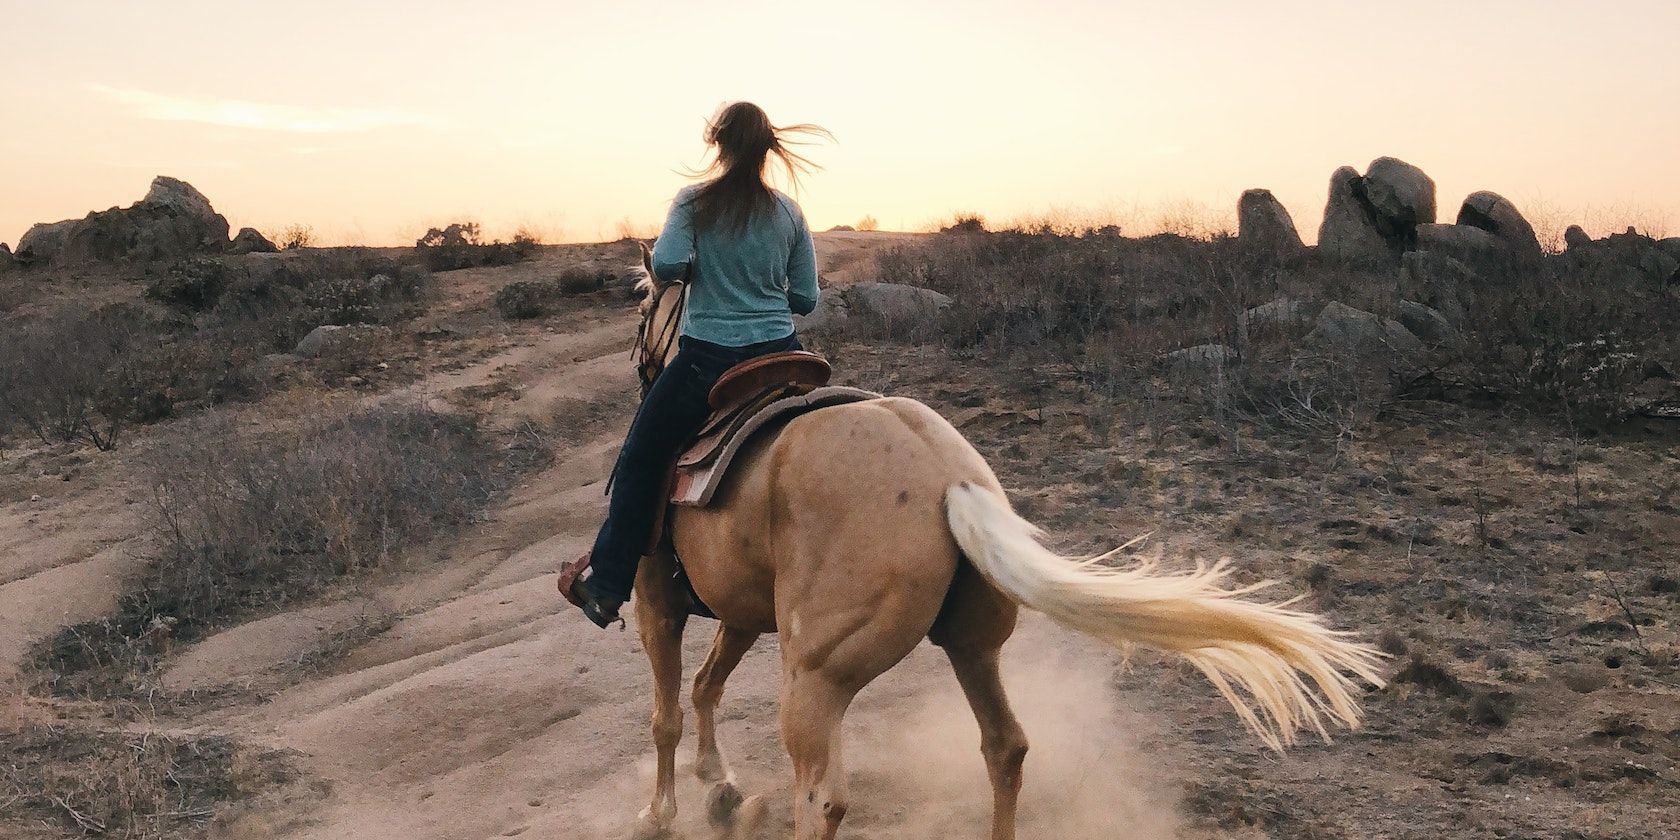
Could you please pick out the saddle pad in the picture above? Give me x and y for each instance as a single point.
(698, 478)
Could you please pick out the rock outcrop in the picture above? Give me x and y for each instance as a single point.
(1574, 237)
(173, 220)
(1373, 218)
(251, 241)
(1495, 214)
(1264, 227)
(1349, 231)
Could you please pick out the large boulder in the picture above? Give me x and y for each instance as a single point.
(251, 241)
(1425, 323)
(44, 240)
(830, 315)
(1349, 232)
(1482, 251)
(1670, 246)
(1356, 334)
(1495, 214)
(1574, 237)
(174, 220)
(6, 260)
(1264, 227)
(1400, 192)
(902, 311)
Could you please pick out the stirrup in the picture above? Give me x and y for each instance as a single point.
(570, 584)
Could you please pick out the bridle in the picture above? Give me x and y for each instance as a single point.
(651, 351)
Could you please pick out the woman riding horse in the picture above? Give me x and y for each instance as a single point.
(745, 251)
(856, 531)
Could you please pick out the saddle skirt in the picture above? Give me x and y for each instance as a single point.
(701, 469)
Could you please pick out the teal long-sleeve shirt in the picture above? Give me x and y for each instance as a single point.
(744, 286)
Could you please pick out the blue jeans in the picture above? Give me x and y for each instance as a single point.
(670, 417)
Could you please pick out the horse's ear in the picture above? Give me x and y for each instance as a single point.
(647, 257)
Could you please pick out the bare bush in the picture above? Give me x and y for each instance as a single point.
(249, 520)
(868, 224)
(295, 236)
(462, 245)
(74, 376)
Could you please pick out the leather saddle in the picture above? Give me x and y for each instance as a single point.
(749, 397)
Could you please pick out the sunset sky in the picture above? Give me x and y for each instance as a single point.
(374, 119)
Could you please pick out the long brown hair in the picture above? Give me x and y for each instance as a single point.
(745, 139)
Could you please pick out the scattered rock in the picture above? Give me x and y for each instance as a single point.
(251, 241)
(902, 311)
(1359, 333)
(1400, 192)
(1574, 237)
(1203, 360)
(1495, 214)
(172, 221)
(335, 340)
(830, 315)
(1281, 314)
(1349, 232)
(1584, 679)
(1264, 226)
(1426, 323)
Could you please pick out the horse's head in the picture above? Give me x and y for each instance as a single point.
(661, 308)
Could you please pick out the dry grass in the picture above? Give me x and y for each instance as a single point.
(252, 520)
(90, 782)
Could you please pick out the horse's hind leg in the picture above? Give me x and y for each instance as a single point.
(973, 625)
(812, 706)
(1002, 741)
(727, 649)
(659, 621)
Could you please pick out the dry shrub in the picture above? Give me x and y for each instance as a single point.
(250, 520)
(1550, 336)
(295, 236)
(139, 785)
(278, 301)
(85, 376)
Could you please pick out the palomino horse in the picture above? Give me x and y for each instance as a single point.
(860, 530)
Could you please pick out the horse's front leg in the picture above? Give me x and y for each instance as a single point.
(660, 617)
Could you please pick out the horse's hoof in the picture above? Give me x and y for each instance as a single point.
(709, 768)
(749, 817)
(722, 803)
(649, 828)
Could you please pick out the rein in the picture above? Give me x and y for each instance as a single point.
(650, 351)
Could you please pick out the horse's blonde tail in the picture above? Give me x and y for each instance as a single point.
(1261, 648)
